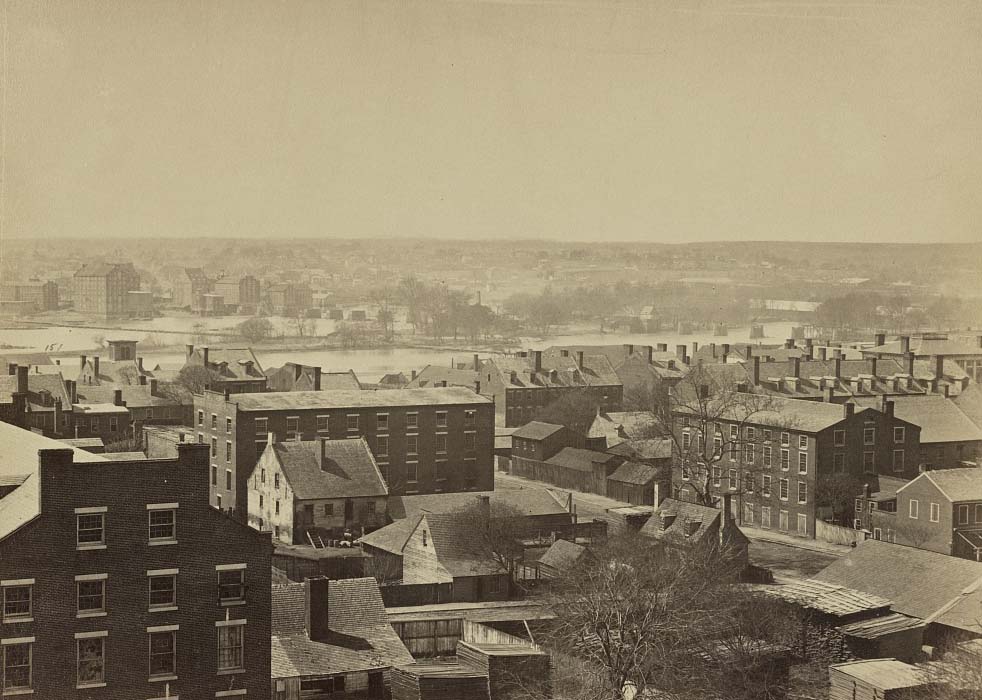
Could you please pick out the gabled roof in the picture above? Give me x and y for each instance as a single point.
(777, 411)
(230, 363)
(618, 426)
(531, 500)
(581, 460)
(561, 556)
(362, 638)
(317, 469)
(970, 403)
(931, 586)
(940, 419)
(38, 385)
(636, 473)
(119, 372)
(433, 375)
(134, 395)
(930, 346)
(19, 463)
(536, 430)
(683, 523)
(884, 674)
(651, 448)
(393, 537)
(955, 484)
(459, 546)
(333, 381)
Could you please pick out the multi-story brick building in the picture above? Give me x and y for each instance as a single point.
(191, 286)
(288, 298)
(424, 440)
(772, 458)
(119, 581)
(101, 289)
(940, 511)
(241, 294)
(44, 295)
(523, 385)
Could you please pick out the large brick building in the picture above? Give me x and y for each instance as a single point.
(773, 456)
(523, 385)
(424, 440)
(119, 581)
(101, 289)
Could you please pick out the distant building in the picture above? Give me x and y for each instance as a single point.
(440, 376)
(44, 295)
(523, 385)
(296, 377)
(101, 289)
(288, 298)
(312, 491)
(141, 585)
(47, 400)
(191, 286)
(240, 295)
(121, 368)
(234, 370)
(683, 525)
(967, 354)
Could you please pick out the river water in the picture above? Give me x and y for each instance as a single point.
(369, 364)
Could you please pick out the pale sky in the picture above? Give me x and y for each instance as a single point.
(577, 119)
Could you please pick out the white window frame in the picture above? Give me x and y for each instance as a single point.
(784, 489)
(380, 424)
(802, 490)
(935, 513)
(171, 630)
(153, 574)
(838, 438)
(802, 442)
(324, 423)
(155, 508)
(262, 426)
(913, 509)
(12, 642)
(442, 419)
(90, 578)
(10, 584)
(85, 637)
(88, 512)
(239, 627)
(412, 420)
(240, 569)
(899, 434)
(802, 463)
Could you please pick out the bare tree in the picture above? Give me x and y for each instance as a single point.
(710, 416)
(499, 529)
(838, 492)
(910, 531)
(667, 621)
(957, 675)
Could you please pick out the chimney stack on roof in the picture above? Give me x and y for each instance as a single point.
(628, 348)
(904, 344)
(204, 355)
(789, 344)
(947, 390)
(95, 366)
(712, 349)
(477, 362)
(886, 406)
(317, 597)
(755, 373)
(796, 367)
(872, 365)
(118, 397)
(939, 367)
(412, 374)
(748, 352)
(72, 388)
(579, 359)
(822, 354)
(317, 378)
(22, 383)
(838, 367)
(12, 369)
(879, 339)
(190, 350)
(827, 394)
(849, 408)
(909, 361)
(695, 348)
(153, 387)
(649, 353)
(680, 352)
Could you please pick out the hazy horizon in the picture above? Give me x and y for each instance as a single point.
(494, 120)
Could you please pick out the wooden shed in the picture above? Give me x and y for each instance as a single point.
(436, 681)
(514, 670)
(877, 679)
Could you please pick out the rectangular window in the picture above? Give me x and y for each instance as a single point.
(802, 492)
(352, 421)
(441, 419)
(748, 482)
(470, 442)
(686, 441)
(412, 472)
(898, 460)
(231, 585)
(214, 447)
(228, 479)
(163, 525)
(412, 420)
(262, 426)
(276, 480)
(230, 646)
(201, 439)
(839, 438)
(935, 512)
(734, 432)
(767, 433)
(323, 424)
(292, 427)
(382, 422)
(765, 516)
(785, 438)
(765, 485)
(113, 424)
(91, 655)
(163, 653)
(441, 443)
(767, 455)
(382, 446)
(748, 454)
(90, 596)
(802, 463)
(718, 447)
(751, 433)
(869, 436)
(783, 522)
(869, 462)
(913, 508)
(201, 418)
(162, 590)
(785, 460)
(839, 462)
(214, 422)
(963, 515)
(276, 509)
(214, 475)
(717, 475)
(802, 442)
(328, 510)
(783, 494)
(91, 529)
(17, 660)
(685, 471)
(732, 478)
(18, 601)
(228, 450)
(228, 425)
(470, 418)
(412, 444)
(978, 512)
(748, 513)
(802, 524)
(899, 434)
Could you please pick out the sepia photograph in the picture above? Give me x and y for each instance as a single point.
(491, 349)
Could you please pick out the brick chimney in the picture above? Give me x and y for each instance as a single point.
(838, 367)
(872, 365)
(153, 387)
(22, 383)
(412, 374)
(628, 348)
(789, 344)
(904, 344)
(317, 378)
(579, 359)
(695, 348)
(649, 353)
(796, 367)
(204, 355)
(909, 362)
(755, 373)
(849, 409)
(477, 362)
(12, 369)
(748, 352)
(939, 367)
(58, 414)
(190, 350)
(886, 407)
(95, 366)
(680, 352)
(712, 349)
(822, 354)
(71, 386)
(317, 606)
(671, 364)
(118, 397)
(827, 394)
(879, 339)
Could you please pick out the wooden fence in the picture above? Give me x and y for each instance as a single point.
(836, 534)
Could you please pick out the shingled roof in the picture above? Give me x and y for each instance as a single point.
(956, 484)
(940, 419)
(317, 469)
(362, 639)
(536, 430)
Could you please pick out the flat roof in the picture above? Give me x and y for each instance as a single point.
(350, 398)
